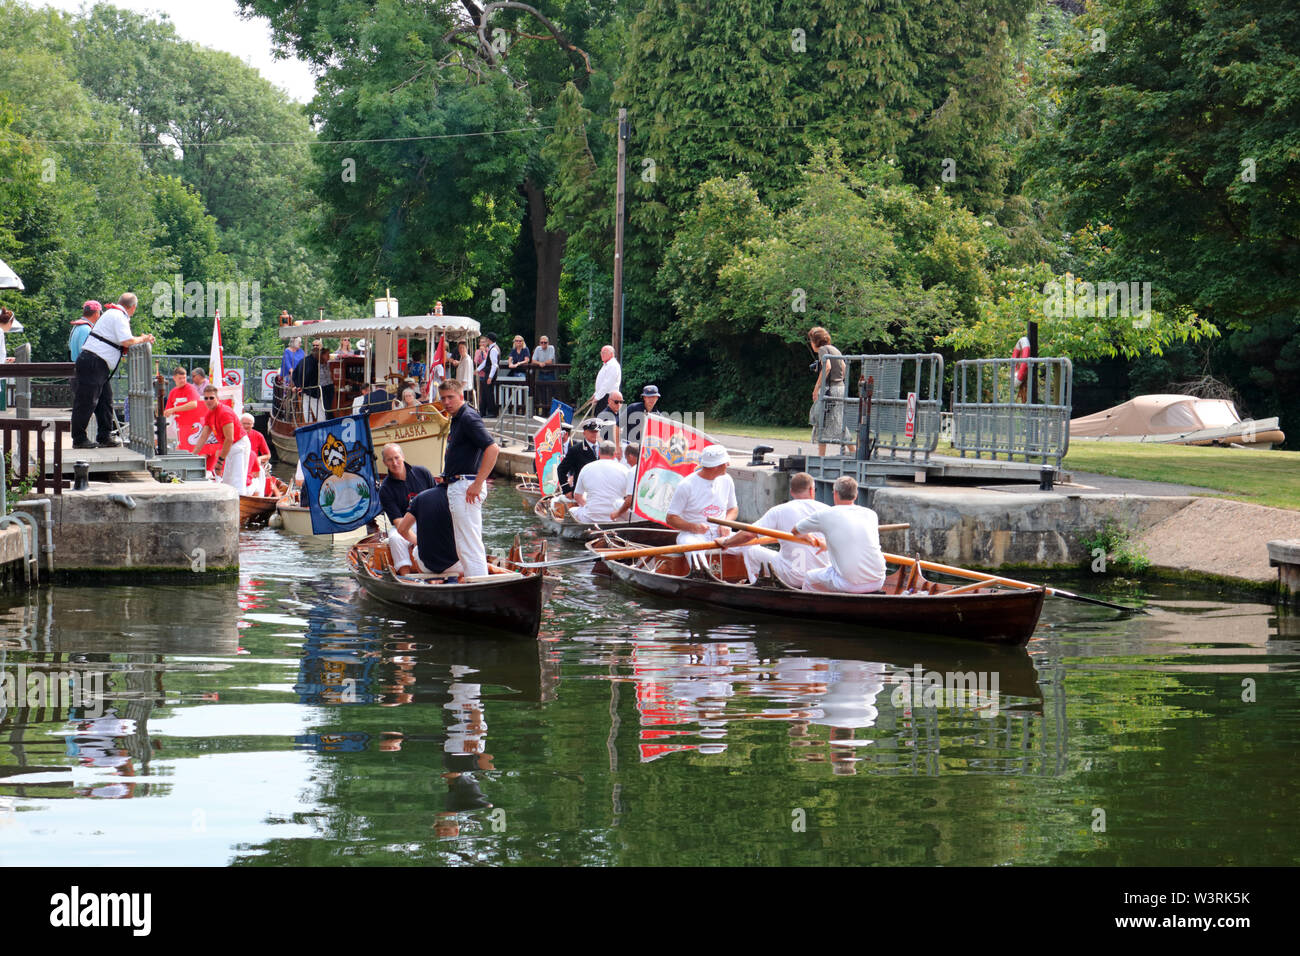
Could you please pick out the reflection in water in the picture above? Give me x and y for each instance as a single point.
(282, 719)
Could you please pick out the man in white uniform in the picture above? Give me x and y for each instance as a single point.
(793, 561)
(601, 486)
(608, 379)
(853, 539)
(708, 493)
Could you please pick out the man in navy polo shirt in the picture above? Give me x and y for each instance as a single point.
(402, 483)
(471, 453)
(428, 527)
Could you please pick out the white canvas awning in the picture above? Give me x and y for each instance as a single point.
(409, 326)
(8, 278)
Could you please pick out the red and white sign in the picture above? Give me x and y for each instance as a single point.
(669, 452)
(268, 383)
(910, 431)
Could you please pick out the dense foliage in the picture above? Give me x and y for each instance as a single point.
(911, 176)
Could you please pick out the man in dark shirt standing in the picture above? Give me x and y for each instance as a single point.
(306, 383)
(428, 526)
(471, 453)
(580, 453)
(402, 483)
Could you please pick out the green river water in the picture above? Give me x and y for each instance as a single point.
(282, 718)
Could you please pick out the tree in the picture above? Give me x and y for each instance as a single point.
(1178, 128)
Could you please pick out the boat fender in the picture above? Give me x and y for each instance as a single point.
(125, 500)
(275, 521)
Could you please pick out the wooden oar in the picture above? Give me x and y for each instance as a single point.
(626, 553)
(940, 568)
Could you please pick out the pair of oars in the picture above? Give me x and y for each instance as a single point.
(766, 537)
(978, 577)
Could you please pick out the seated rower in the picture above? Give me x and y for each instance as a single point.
(707, 493)
(601, 487)
(631, 458)
(793, 561)
(424, 540)
(853, 539)
(402, 483)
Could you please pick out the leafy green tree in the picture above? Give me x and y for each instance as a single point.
(1177, 126)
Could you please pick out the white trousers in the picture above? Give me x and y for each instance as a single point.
(699, 558)
(589, 515)
(789, 571)
(313, 409)
(405, 553)
(829, 580)
(236, 473)
(467, 521)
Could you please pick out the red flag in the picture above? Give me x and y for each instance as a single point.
(440, 353)
(669, 452)
(548, 446)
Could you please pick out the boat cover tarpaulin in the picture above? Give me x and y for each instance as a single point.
(1156, 415)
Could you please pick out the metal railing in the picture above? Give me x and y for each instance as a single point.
(142, 402)
(515, 413)
(901, 385)
(994, 416)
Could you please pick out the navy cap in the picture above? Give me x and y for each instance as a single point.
(650, 390)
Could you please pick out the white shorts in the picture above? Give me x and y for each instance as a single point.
(829, 580)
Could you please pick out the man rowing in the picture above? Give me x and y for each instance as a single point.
(424, 539)
(471, 453)
(631, 458)
(857, 565)
(793, 561)
(601, 487)
(707, 493)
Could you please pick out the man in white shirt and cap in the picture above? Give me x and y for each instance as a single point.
(600, 489)
(853, 539)
(793, 561)
(707, 493)
(608, 379)
(107, 343)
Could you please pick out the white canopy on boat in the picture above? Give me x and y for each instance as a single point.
(8, 278)
(382, 335)
(410, 326)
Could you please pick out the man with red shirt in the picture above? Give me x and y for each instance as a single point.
(231, 466)
(184, 404)
(259, 457)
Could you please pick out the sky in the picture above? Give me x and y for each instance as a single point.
(216, 23)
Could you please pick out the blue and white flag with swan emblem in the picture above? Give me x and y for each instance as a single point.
(338, 468)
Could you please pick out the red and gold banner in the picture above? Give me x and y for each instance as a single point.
(670, 451)
(548, 445)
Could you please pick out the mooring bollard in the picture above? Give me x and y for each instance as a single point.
(1285, 556)
(1046, 477)
(81, 475)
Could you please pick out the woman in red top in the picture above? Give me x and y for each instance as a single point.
(231, 466)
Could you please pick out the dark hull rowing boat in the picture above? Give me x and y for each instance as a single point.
(909, 602)
(505, 599)
(567, 527)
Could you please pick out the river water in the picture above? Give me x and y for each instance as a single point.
(282, 718)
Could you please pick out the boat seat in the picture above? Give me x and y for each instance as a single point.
(381, 559)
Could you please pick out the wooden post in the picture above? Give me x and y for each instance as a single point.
(616, 330)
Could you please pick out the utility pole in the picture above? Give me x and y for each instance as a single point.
(616, 331)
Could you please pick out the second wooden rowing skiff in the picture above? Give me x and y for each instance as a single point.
(908, 602)
(507, 598)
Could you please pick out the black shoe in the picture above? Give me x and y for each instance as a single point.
(109, 443)
(83, 443)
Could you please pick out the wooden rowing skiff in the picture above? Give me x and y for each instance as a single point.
(255, 509)
(530, 491)
(909, 602)
(566, 527)
(507, 598)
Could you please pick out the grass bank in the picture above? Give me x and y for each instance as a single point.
(1260, 477)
